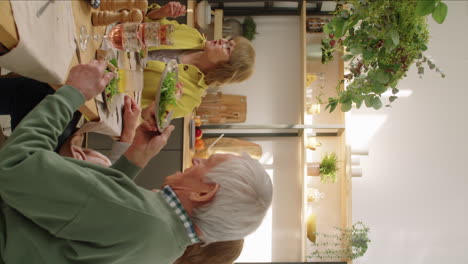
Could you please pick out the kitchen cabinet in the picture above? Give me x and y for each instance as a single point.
(167, 162)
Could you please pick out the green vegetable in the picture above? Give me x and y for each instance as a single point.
(111, 88)
(114, 62)
(167, 97)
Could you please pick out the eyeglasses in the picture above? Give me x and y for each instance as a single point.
(227, 43)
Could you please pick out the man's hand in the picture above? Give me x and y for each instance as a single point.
(90, 79)
(131, 113)
(147, 143)
(172, 9)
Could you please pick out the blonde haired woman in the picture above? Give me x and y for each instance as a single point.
(202, 63)
(224, 252)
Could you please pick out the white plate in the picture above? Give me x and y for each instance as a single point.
(171, 66)
(203, 14)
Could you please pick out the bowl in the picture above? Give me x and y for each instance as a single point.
(203, 14)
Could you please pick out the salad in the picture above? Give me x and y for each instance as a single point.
(168, 98)
(112, 88)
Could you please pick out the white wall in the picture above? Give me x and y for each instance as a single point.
(273, 93)
(413, 193)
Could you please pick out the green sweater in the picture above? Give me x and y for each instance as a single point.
(62, 210)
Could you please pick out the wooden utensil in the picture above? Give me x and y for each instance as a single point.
(104, 18)
(229, 145)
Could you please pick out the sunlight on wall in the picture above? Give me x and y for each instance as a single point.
(361, 127)
(258, 245)
(401, 93)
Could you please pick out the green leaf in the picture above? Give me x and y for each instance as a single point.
(389, 45)
(348, 57)
(344, 98)
(376, 103)
(382, 76)
(358, 99)
(368, 54)
(327, 28)
(352, 23)
(344, 14)
(356, 50)
(339, 25)
(394, 36)
(423, 47)
(345, 107)
(425, 7)
(395, 91)
(113, 62)
(368, 100)
(440, 12)
(333, 106)
(392, 98)
(359, 103)
(379, 88)
(420, 70)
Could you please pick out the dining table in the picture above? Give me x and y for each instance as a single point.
(131, 73)
(82, 11)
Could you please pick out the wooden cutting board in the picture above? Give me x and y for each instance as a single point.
(222, 108)
(230, 145)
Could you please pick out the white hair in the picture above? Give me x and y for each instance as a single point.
(241, 203)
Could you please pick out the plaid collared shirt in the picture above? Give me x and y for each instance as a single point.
(171, 198)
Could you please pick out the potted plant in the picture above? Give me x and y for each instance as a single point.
(249, 28)
(381, 40)
(326, 169)
(344, 244)
(233, 27)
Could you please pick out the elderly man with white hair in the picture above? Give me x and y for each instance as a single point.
(56, 209)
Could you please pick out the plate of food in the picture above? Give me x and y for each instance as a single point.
(112, 88)
(166, 95)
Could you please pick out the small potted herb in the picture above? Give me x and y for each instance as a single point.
(249, 28)
(326, 169)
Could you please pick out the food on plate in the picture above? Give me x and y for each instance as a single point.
(168, 97)
(112, 88)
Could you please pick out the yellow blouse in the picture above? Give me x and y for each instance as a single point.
(192, 79)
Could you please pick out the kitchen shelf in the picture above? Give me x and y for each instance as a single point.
(338, 212)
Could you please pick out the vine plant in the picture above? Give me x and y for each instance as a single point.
(382, 39)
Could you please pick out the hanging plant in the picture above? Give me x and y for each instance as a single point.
(382, 39)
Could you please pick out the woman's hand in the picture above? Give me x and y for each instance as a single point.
(147, 143)
(131, 113)
(172, 9)
(148, 114)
